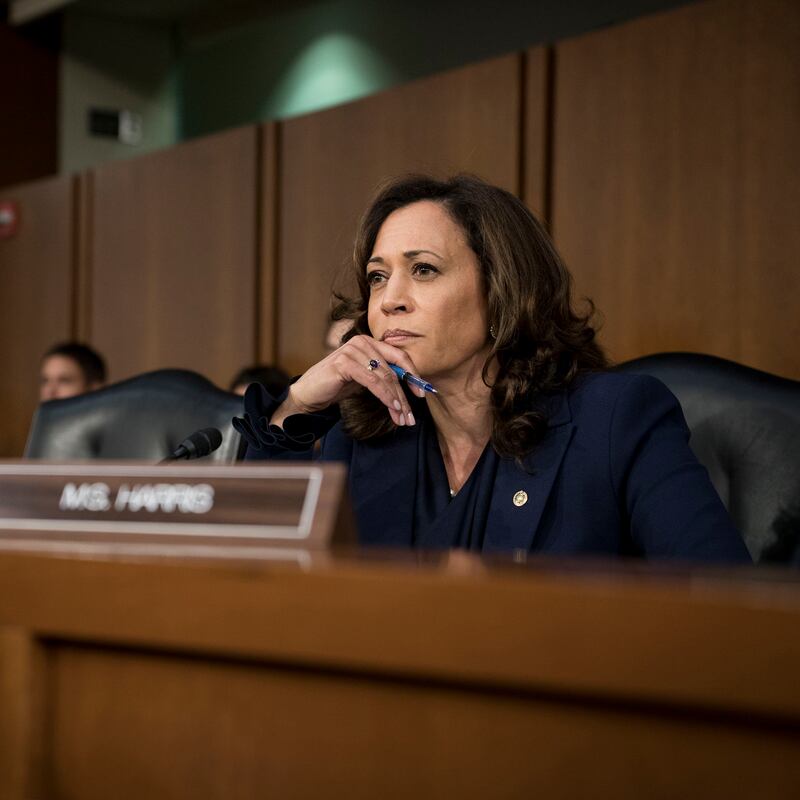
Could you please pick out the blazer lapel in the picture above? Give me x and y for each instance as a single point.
(520, 496)
(383, 482)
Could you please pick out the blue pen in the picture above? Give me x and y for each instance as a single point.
(412, 379)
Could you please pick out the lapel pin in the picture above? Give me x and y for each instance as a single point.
(520, 498)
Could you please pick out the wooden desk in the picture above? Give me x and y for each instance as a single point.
(129, 676)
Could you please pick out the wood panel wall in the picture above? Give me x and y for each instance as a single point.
(466, 120)
(537, 100)
(662, 152)
(172, 263)
(36, 284)
(674, 180)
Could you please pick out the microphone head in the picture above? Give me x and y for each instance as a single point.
(201, 443)
(214, 438)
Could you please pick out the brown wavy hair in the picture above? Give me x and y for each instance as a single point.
(541, 343)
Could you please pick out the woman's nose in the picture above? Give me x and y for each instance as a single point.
(396, 295)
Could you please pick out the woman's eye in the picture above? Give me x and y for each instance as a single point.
(424, 270)
(374, 278)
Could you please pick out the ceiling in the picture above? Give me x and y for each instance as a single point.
(161, 11)
(192, 16)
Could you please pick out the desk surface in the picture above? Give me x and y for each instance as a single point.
(478, 673)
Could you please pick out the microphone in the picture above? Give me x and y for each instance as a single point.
(197, 445)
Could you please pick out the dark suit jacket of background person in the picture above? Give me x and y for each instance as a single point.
(614, 475)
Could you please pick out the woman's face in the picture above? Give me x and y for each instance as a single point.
(426, 292)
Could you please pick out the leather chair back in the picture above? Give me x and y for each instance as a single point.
(145, 417)
(745, 428)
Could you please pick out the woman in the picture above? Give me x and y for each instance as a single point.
(527, 443)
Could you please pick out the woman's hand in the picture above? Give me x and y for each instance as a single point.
(344, 372)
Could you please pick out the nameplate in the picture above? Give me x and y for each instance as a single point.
(291, 504)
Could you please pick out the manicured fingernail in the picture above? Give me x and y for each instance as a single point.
(401, 420)
(397, 405)
(410, 418)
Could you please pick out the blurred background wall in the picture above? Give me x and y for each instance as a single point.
(115, 62)
(304, 56)
(193, 67)
(657, 141)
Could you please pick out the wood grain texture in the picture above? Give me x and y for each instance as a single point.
(36, 287)
(675, 202)
(24, 703)
(267, 222)
(385, 677)
(82, 248)
(738, 638)
(135, 725)
(769, 276)
(535, 152)
(332, 162)
(173, 258)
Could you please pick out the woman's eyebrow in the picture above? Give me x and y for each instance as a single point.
(415, 253)
(408, 255)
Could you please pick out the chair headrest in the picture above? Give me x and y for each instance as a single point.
(144, 417)
(745, 427)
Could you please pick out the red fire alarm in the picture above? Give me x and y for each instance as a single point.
(9, 218)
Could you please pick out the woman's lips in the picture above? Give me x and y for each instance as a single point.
(394, 337)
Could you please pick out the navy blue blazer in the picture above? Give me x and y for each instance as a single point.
(614, 475)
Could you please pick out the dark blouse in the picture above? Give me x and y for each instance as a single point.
(442, 521)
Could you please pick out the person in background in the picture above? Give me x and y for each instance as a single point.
(274, 379)
(69, 369)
